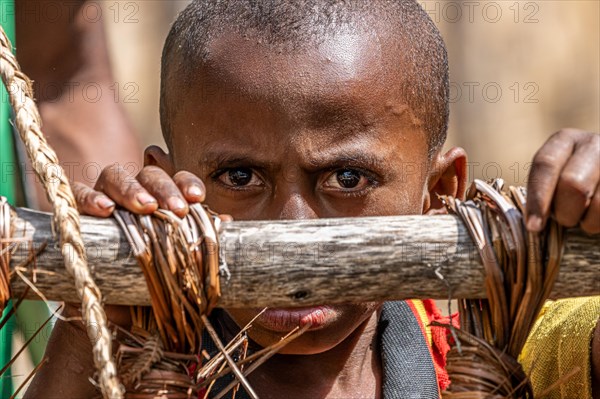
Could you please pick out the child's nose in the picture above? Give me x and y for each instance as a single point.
(294, 206)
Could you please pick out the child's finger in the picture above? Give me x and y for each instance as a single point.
(591, 219)
(125, 190)
(577, 182)
(543, 177)
(160, 185)
(190, 185)
(91, 202)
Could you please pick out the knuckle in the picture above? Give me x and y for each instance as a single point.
(544, 160)
(110, 170)
(186, 178)
(575, 184)
(153, 176)
(146, 174)
(560, 141)
(588, 140)
(126, 179)
(130, 187)
(595, 141)
(183, 176)
(80, 195)
(150, 169)
(577, 136)
(102, 177)
(84, 197)
(111, 174)
(567, 133)
(164, 188)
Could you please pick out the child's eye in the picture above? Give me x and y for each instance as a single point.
(239, 177)
(347, 180)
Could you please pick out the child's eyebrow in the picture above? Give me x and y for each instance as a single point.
(344, 158)
(321, 160)
(220, 159)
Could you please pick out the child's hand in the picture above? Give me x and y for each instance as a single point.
(564, 180)
(150, 189)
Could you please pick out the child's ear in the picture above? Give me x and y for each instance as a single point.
(448, 176)
(155, 156)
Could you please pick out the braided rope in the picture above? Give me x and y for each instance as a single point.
(66, 217)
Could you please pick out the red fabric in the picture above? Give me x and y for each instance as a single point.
(439, 336)
(423, 324)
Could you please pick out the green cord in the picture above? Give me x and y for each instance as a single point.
(29, 313)
(7, 157)
(7, 189)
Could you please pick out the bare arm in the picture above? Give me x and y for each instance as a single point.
(70, 364)
(65, 54)
(68, 59)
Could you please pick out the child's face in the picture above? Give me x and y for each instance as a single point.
(312, 134)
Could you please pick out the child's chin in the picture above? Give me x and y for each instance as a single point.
(306, 347)
(327, 325)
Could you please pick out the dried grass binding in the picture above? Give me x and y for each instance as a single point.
(521, 268)
(160, 356)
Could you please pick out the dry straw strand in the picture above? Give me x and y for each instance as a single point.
(66, 217)
(160, 355)
(5, 250)
(519, 278)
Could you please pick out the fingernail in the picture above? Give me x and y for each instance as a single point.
(175, 203)
(195, 191)
(145, 199)
(104, 202)
(534, 223)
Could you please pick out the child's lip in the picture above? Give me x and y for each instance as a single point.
(286, 319)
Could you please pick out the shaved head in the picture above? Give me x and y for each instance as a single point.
(415, 50)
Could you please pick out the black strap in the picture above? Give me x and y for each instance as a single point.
(408, 370)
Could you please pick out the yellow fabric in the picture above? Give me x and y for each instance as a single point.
(559, 346)
(425, 319)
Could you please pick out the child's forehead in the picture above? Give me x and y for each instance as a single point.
(353, 60)
(342, 61)
(251, 95)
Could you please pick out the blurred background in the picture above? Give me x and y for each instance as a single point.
(520, 70)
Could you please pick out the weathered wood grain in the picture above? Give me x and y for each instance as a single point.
(303, 262)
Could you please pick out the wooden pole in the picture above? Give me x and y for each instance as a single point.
(300, 262)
